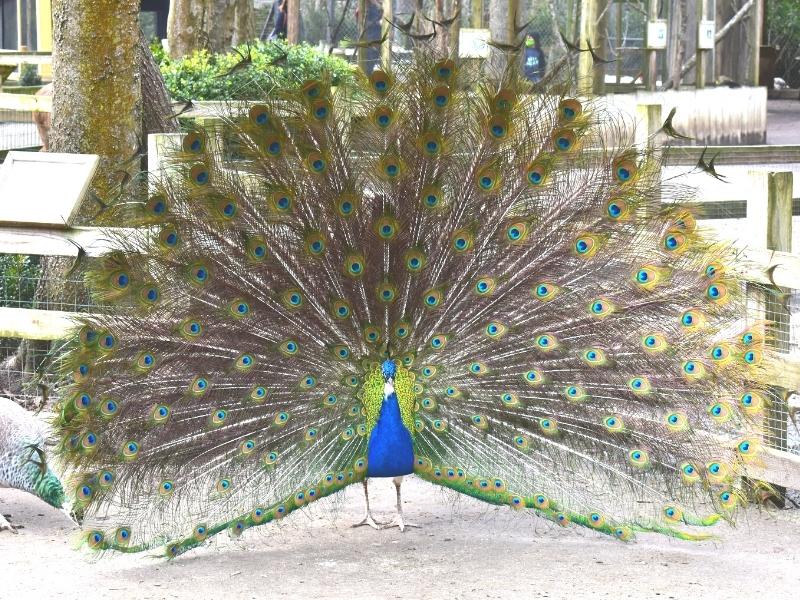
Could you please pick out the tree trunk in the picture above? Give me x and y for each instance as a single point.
(185, 27)
(244, 23)
(97, 97)
(219, 24)
(293, 21)
(501, 27)
(214, 25)
(156, 106)
(331, 24)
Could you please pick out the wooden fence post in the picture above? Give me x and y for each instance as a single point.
(648, 121)
(388, 31)
(769, 209)
(589, 14)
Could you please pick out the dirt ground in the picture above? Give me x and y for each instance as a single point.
(463, 550)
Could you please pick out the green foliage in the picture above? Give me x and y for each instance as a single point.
(205, 76)
(19, 275)
(783, 24)
(29, 75)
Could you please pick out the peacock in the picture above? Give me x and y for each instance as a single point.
(434, 269)
(23, 458)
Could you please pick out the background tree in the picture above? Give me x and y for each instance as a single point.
(214, 25)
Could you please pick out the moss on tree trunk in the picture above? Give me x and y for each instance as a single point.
(97, 91)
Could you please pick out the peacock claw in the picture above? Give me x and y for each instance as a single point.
(368, 520)
(400, 523)
(6, 526)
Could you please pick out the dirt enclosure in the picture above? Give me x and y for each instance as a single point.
(463, 550)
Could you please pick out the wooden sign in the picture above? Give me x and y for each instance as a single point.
(43, 188)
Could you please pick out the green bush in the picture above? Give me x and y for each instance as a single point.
(205, 76)
(29, 75)
(18, 278)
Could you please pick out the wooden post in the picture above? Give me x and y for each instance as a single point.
(770, 209)
(700, 65)
(648, 117)
(293, 21)
(779, 211)
(386, 47)
(589, 14)
(756, 26)
(361, 52)
(455, 28)
(652, 55)
(476, 14)
(617, 40)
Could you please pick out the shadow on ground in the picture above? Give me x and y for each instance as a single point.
(463, 550)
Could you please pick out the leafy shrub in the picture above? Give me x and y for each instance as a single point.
(18, 278)
(29, 75)
(205, 76)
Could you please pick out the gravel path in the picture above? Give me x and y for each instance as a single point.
(464, 550)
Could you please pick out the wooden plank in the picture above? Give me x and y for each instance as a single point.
(35, 324)
(778, 468)
(727, 155)
(753, 264)
(779, 211)
(26, 102)
(786, 373)
(32, 58)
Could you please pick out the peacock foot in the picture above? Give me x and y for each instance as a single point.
(399, 522)
(5, 525)
(368, 520)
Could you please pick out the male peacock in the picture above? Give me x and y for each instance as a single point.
(428, 271)
(23, 462)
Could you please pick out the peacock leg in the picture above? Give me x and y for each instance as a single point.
(367, 520)
(5, 525)
(398, 520)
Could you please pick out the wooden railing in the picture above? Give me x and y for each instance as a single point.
(768, 264)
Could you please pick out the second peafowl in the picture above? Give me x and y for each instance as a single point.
(431, 270)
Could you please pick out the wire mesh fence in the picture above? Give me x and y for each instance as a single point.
(18, 130)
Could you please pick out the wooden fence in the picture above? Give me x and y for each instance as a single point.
(769, 264)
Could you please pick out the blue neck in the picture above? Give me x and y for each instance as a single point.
(390, 451)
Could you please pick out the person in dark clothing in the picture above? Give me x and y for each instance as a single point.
(534, 65)
(279, 30)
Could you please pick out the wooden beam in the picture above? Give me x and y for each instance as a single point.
(35, 324)
(778, 468)
(32, 58)
(26, 102)
(754, 265)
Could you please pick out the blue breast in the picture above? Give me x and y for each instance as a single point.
(390, 452)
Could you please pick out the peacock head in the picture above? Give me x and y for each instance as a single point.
(389, 369)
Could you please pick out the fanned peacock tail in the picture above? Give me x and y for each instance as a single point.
(567, 340)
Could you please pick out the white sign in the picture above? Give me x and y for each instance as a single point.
(705, 35)
(43, 188)
(472, 43)
(657, 35)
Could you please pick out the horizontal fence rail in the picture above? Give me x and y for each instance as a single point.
(765, 206)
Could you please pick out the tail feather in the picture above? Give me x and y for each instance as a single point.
(570, 330)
